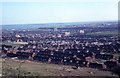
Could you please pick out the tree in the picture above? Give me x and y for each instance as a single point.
(116, 70)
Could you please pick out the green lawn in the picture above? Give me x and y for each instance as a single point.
(117, 54)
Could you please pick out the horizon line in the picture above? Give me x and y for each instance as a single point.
(61, 22)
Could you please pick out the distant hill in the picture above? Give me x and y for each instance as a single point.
(47, 25)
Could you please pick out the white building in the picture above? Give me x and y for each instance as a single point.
(67, 33)
(82, 31)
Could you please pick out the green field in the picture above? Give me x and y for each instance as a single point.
(10, 43)
(104, 33)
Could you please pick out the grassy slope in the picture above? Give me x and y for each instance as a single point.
(42, 69)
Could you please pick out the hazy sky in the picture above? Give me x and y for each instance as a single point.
(50, 12)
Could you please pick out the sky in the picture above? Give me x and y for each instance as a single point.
(29, 12)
